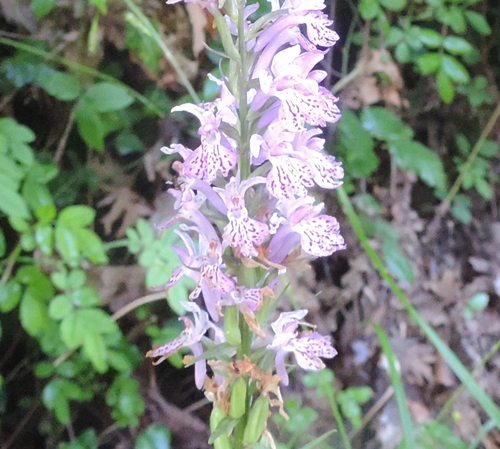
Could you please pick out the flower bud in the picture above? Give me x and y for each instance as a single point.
(237, 404)
(257, 420)
(222, 441)
(231, 326)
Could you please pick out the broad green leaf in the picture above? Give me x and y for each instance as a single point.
(76, 325)
(393, 5)
(91, 246)
(33, 314)
(430, 38)
(10, 169)
(108, 97)
(36, 194)
(478, 22)
(63, 86)
(95, 349)
(127, 143)
(76, 279)
(90, 124)
(429, 63)
(44, 370)
(489, 148)
(445, 86)
(85, 297)
(369, 9)
(16, 132)
(126, 401)
(10, 294)
(78, 216)
(11, 203)
(483, 188)
(457, 45)
(383, 124)
(60, 307)
(455, 69)
(37, 282)
(413, 156)
(22, 153)
(46, 214)
(60, 279)
(402, 52)
(42, 7)
(54, 399)
(154, 437)
(44, 237)
(362, 162)
(67, 244)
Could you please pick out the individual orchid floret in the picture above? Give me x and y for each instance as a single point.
(302, 100)
(319, 234)
(216, 152)
(205, 267)
(241, 231)
(190, 338)
(307, 346)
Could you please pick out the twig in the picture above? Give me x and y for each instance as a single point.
(64, 139)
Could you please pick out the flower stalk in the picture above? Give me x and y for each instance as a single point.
(244, 212)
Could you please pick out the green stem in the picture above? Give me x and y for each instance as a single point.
(449, 356)
(153, 33)
(243, 148)
(338, 419)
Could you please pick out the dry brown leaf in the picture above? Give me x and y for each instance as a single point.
(125, 205)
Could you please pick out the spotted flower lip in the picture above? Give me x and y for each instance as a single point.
(307, 346)
(190, 338)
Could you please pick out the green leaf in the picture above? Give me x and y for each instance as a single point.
(37, 282)
(95, 349)
(60, 306)
(429, 63)
(33, 314)
(430, 38)
(154, 437)
(67, 244)
(78, 216)
(127, 143)
(54, 399)
(478, 302)
(11, 203)
(127, 403)
(455, 69)
(91, 246)
(85, 297)
(414, 156)
(461, 209)
(362, 162)
(62, 86)
(10, 294)
(108, 97)
(16, 132)
(90, 124)
(445, 86)
(369, 9)
(402, 52)
(384, 124)
(42, 7)
(44, 237)
(44, 370)
(478, 22)
(76, 279)
(483, 188)
(457, 45)
(76, 325)
(396, 261)
(393, 5)
(101, 5)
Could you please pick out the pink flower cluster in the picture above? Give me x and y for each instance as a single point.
(268, 219)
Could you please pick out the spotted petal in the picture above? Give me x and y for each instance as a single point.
(320, 236)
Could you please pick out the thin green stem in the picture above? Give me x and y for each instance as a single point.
(243, 148)
(151, 30)
(338, 419)
(11, 260)
(449, 356)
(83, 69)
